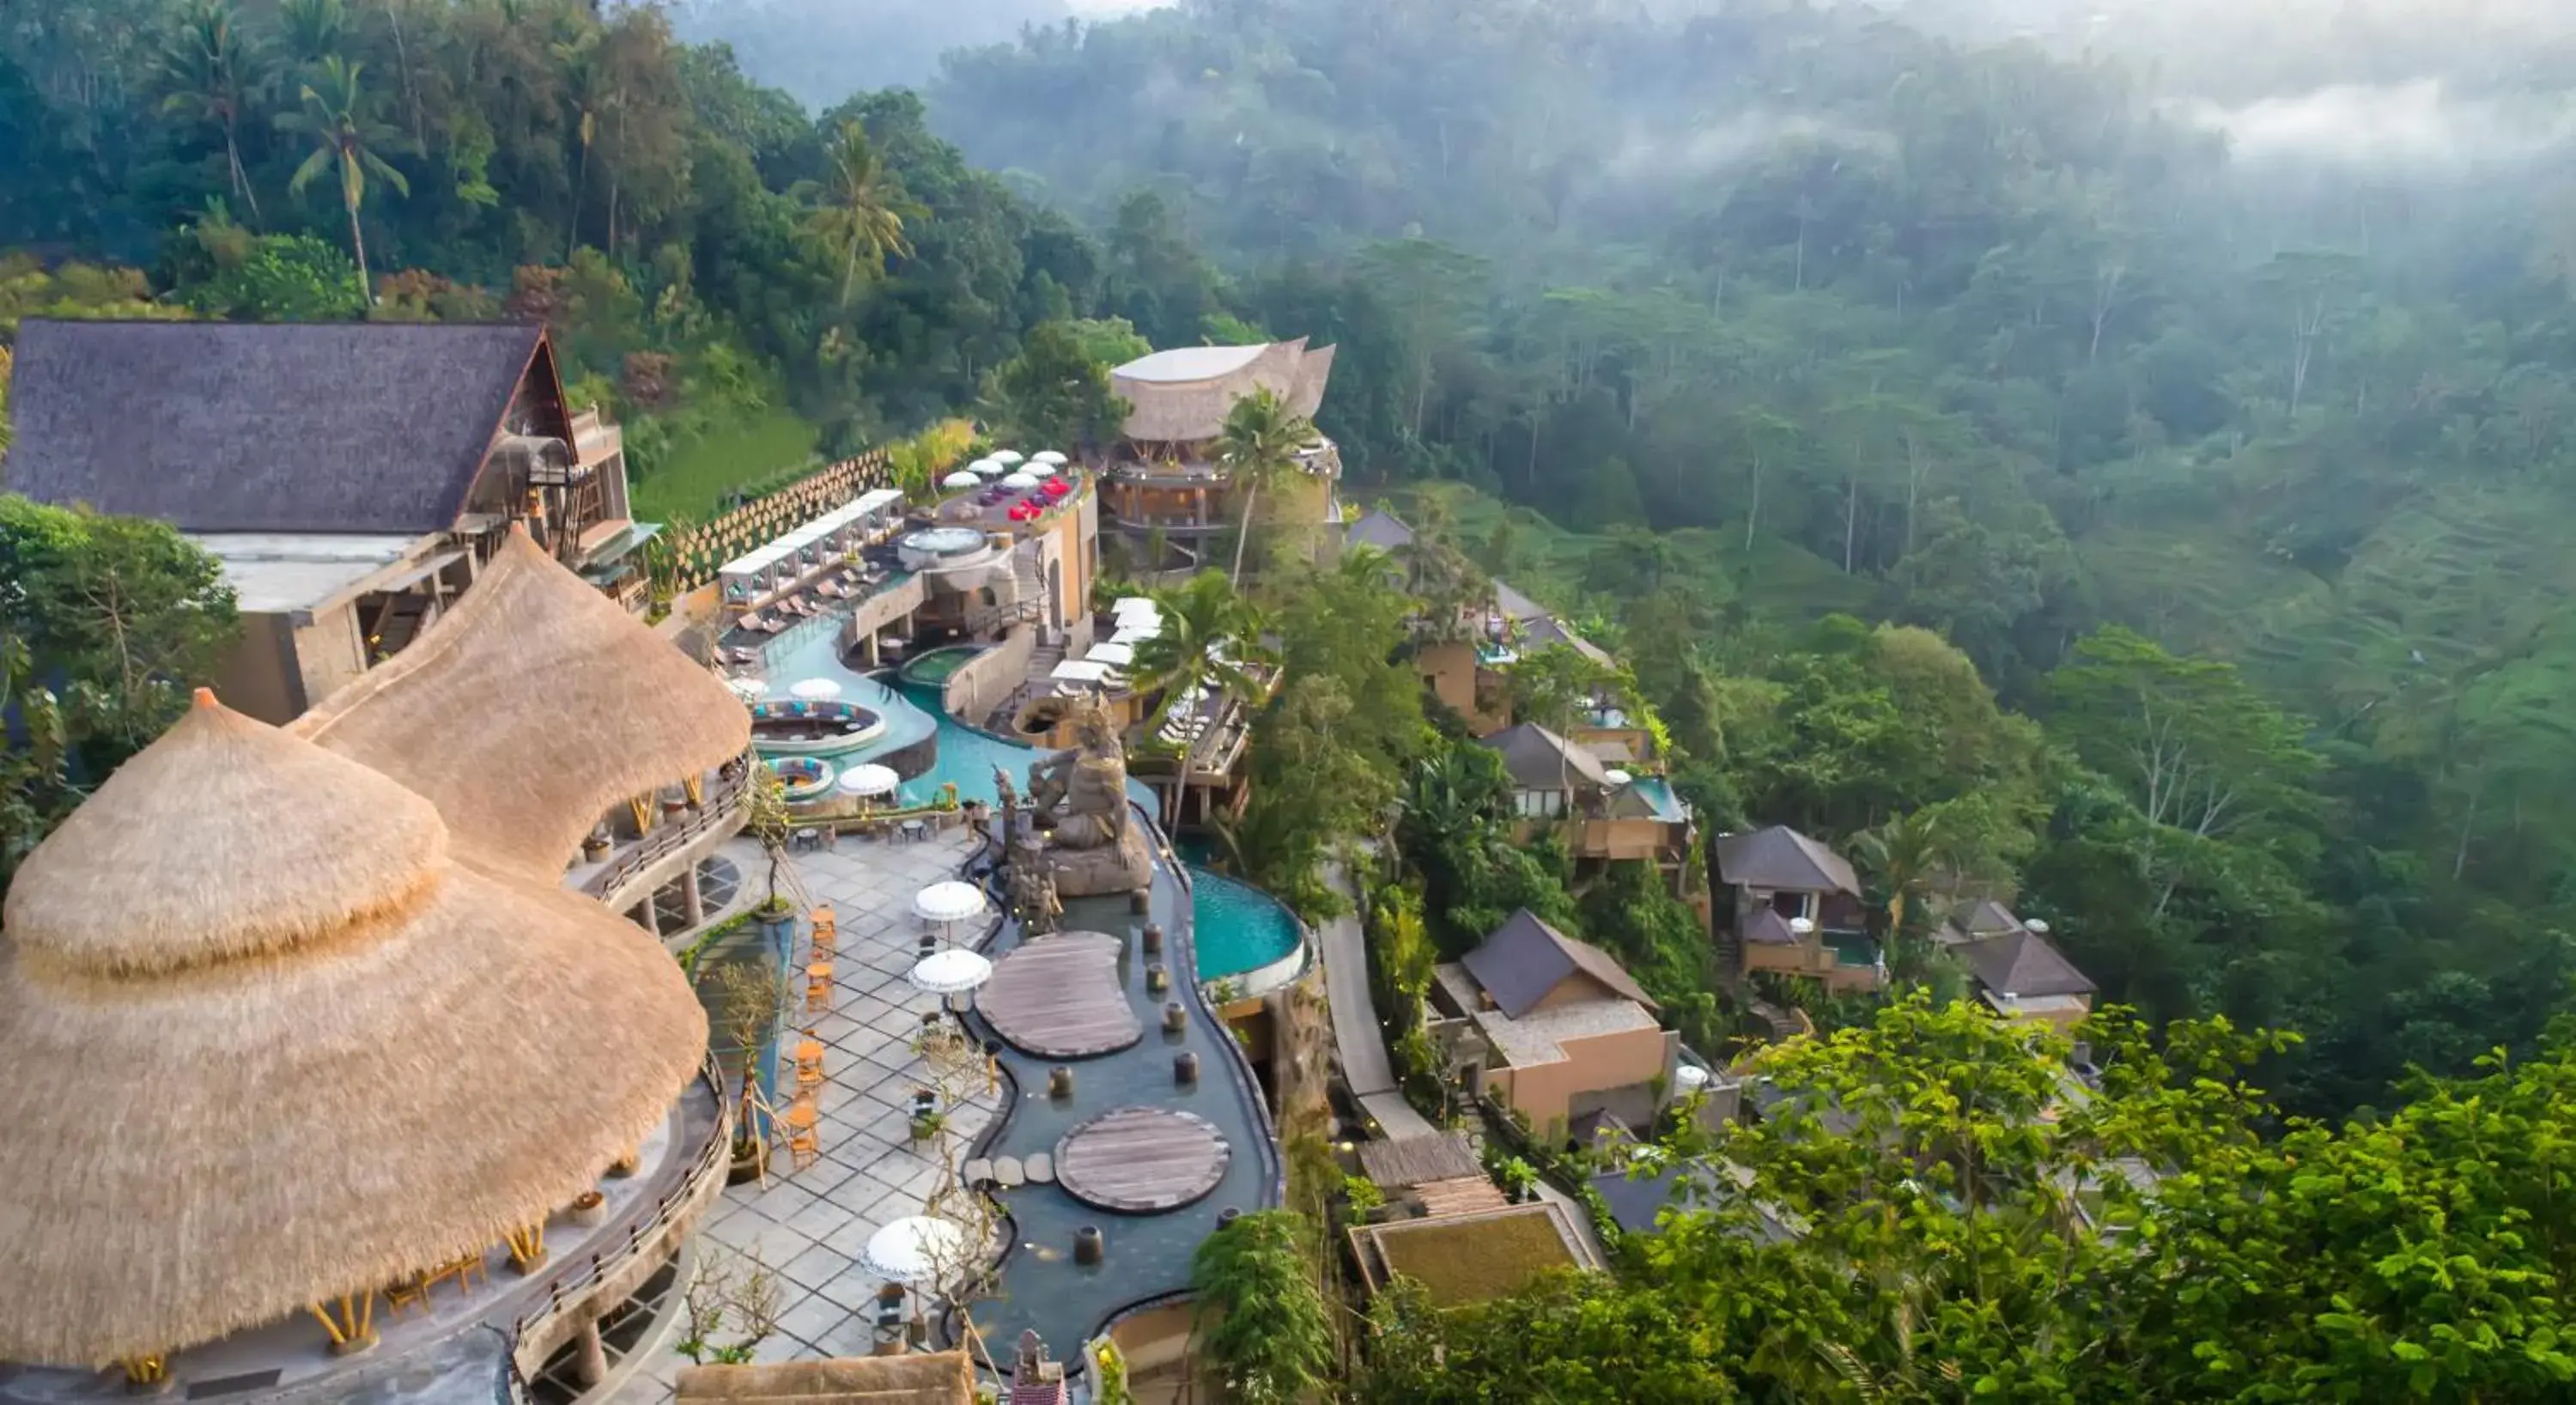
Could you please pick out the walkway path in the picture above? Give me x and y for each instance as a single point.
(1359, 1041)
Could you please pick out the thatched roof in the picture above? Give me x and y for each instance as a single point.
(531, 709)
(218, 1116)
(261, 427)
(1182, 395)
(287, 1021)
(1412, 1161)
(932, 1378)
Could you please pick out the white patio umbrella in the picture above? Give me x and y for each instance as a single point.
(989, 467)
(1019, 480)
(815, 689)
(869, 778)
(951, 901)
(949, 972)
(750, 690)
(1049, 457)
(1035, 469)
(1617, 778)
(962, 478)
(915, 1249)
(1009, 456)
(1112, 652)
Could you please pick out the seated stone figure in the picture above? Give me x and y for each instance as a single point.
(1078, 800)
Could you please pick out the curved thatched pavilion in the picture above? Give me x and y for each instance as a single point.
(293, 1016)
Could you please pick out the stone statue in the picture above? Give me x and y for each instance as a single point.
(1033, 897)
(1078, 799)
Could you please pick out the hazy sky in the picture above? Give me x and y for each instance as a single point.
(1113, 7)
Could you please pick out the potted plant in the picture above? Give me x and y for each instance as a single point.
(587, 1209)
(926, 1125)
(595, 847)
(753, 1004)
(766, 819)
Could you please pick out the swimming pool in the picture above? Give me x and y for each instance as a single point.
(939, 665)
(1240, 928)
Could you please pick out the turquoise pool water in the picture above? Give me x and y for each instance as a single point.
(1240, 928)
(938, 664)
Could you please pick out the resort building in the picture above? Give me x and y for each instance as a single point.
(1165, 489)
(1796, 909)
(1552, 1028)
(2019, 973)
(1607, 814)
(353, 478)
(326, 1081)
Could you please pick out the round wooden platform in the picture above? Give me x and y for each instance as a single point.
(1059, 997)
(1141, 1160)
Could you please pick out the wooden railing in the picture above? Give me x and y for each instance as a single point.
(567, 1292)
(624, 864)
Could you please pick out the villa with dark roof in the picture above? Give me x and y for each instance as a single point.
(1796, 909)
(2019, 972)
(1607, 814)
(353, 478)
(1552, 1028)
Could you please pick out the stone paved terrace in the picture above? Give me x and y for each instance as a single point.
(811, 1224)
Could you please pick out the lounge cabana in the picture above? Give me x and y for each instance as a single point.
(297, 1016)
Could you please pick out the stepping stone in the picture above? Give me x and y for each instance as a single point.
(1008, 1171)
(1040, 1168)
(977, 1171)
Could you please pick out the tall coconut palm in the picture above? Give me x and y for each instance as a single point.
(210, 72)
(861, 210)
(1258, 448)
(1210, 638)
(339, 119)
(1904, 854)
(583, 87)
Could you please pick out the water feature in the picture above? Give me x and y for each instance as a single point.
(1240, 928)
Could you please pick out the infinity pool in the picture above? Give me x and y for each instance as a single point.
(1240, 928)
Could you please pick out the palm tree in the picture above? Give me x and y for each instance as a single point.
(582, 85)
(1210, 638)
(340, 120)
(313, 29)
(862, 210)
(1904, 853)
(206, 70)
(1258, 447)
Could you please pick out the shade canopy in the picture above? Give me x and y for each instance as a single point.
(750, 690)
(869, 778)
(1134, 634)
(1113, 653)
(948, 972)
(1049, 457)
(1126, 605)
(962, 478)
(916, 1249)
(951, 901)
(1081, 671)
(1008, 456)
(1019, 480)
(815, 689)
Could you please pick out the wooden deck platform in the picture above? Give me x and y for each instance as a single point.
(1142, 1159)
(1059, 998)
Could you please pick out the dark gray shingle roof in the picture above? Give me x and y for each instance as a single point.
(1525, 958)
(1781, 857)
(1541, 760)
(2023, 963)
(1379, 529)
(240, 427)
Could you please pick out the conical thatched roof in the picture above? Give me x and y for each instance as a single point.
(343, 843)
(276, 1035)
(532, 709)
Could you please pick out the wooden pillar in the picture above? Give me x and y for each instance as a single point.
(647, 918)
(590, 1355)
(351, 1321)
(641, 807)
(692, 904)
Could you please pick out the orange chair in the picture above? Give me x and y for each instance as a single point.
(809, 1064)
(802, 1142)
(818, 988)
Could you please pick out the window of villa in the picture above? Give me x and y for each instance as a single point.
(1539, 804)
(1794, 905)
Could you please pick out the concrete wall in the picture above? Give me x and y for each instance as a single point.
(259, 676)
(1629, 839)
(329, 652)
(1544, 1092)
(982, 682)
